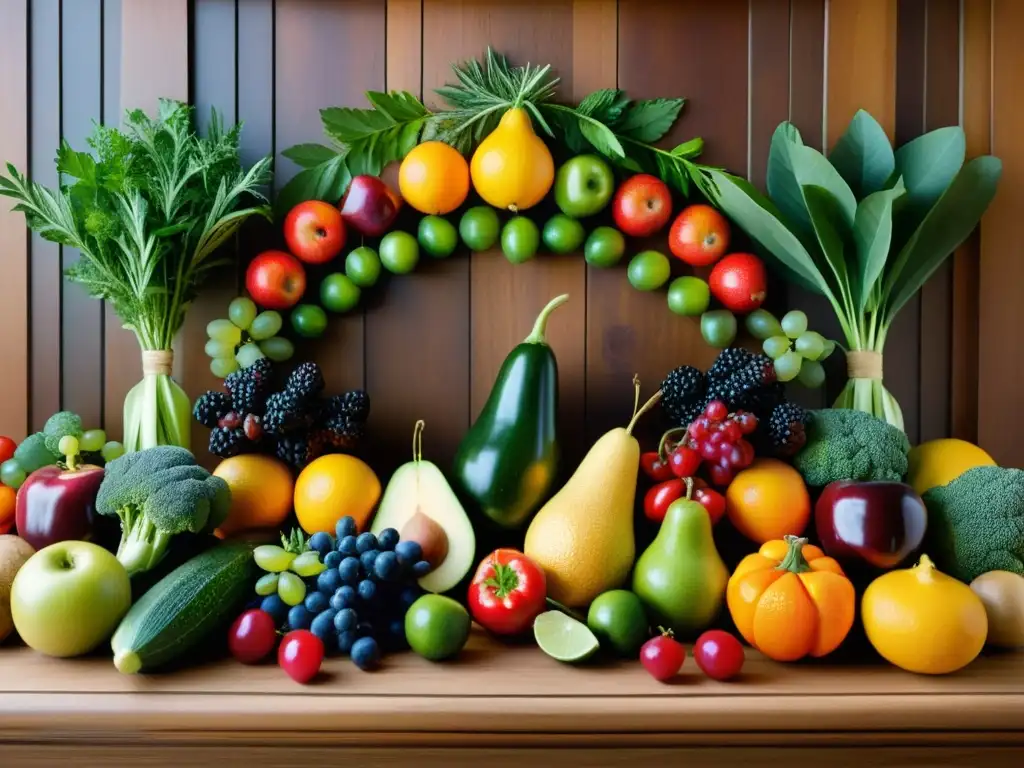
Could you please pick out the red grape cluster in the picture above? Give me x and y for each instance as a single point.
(718, 438)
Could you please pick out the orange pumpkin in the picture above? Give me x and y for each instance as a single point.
(789, 600)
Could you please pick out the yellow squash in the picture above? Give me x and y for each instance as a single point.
(938, 462)
(512, 168)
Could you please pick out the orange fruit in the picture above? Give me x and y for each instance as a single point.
(261, 492)
(767, 501)
(332, 487)
(434, 178)
(8, 496)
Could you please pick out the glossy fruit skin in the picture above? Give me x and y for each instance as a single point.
(699, 236)
(618, 620)
(924, 621)
(362, 266)
(55, 505)
(507, 593)
(739, 282)
(437, 236)
(642, 205)
(252, 636)
(870, 525)
(331, 487)
(688, 296)
(712, 501)
(309, 321)
(508, 460)
(789, 600)
(520, 239)
(512, 168)
(300, 655)
(437, 627)
(314, 231)
(7, 448)
(370, 206)
(583, 186)
(434, 178)
(1002, 594)
(399, 252)
(662, 657)
(718, 328)
(684, 461)
(718, 654)
(275, 280)
(8, 505)
(660, 496)
(939, 462)
(563, 234)
(649, 270)
(479, 228)
(604, 247)
(655, 467)
(261, 492)
(767, 501)
(339, 293)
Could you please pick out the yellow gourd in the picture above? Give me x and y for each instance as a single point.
(512, 168)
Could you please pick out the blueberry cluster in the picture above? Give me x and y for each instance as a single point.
(357, 604)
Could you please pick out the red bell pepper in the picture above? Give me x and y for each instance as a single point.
(508, 592)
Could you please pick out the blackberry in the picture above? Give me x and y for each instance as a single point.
(210, 407)
(250, 386)
(226, 443)
(343, 432)
(298, 450)
(305, 382)
(787, 428)
(682, 392)
(729, 361)
(283, 414)
(357, 404)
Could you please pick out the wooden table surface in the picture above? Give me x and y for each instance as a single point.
(503, 700)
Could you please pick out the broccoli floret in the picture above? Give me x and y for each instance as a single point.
(976, 523)
(33, 454)
(846, 444)
(159, 493)
(61, 424)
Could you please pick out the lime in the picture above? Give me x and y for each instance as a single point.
(399, 252)
(479, 228)
(604, 247)
(436, 627)
(363, 266)
(437, 236)
(563, 234)
(309, 321)
(718, 327)
(688, 296)
(619, 621)
(649, 270)
(563, 638)
(339, 293)
(520, 239)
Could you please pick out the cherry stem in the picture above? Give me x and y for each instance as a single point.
(638, 412)
(666, 436)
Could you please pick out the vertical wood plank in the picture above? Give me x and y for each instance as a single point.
(769, 75)
(154, 64)
(976, 57)
(1002, 270)
(14, 288)
(81, 105)
(46, 280)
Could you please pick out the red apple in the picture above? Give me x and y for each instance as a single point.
(699, 235)
(739, 282)
(56, 504)
(370, 206)
(314, 231)
(642, 205)
(275, 280)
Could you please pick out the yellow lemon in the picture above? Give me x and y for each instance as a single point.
(512, 168)
(938, 462)
(332, 487)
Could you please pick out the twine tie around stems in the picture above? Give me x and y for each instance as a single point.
(157, 362)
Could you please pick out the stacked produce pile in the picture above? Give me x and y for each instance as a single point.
(292, 543)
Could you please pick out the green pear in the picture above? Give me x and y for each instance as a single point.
(680, 577)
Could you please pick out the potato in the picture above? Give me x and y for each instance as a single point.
(14, 551)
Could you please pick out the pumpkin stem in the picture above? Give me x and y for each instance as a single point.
(794, 561)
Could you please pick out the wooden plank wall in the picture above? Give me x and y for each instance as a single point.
(428, 345)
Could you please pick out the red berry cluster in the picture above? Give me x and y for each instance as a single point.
(251, 424)
(718, 438)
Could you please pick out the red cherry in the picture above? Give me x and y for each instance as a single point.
(655, 467)
(720, 476)
(712, 501)
(748, 453)
(708, 451)
(718, 654)
(662, 656)
(747, 422)
(716, 410)
(684, 461)
(732, 431)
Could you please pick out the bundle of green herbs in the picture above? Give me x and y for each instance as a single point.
(148, 210)
(865, 227)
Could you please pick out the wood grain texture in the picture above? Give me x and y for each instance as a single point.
(1002, 271)
(14, 240)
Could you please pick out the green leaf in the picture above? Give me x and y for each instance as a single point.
(928, 165)
(327, 181)
(812, 169)
(823, 209)
(349, 126)
(309, 155)
(872, 235)
(649, 120)
(607, 105)
(783, 186)
(689, 149)
(601, 137)
(78, 165)
(950, 221)
(863, 155)
(400, 106)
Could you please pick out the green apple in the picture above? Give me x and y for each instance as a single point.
(583, 186)
(69, 597)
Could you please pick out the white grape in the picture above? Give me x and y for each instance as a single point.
(92, 440)
(810, 345)
(223, 366)
(265, 325)
(218, 348)
(278, 348)
(828, 350)
(775, 347)
(242, 311)
(224, 330)
(811, 374)
(249, 354)
(762, 324)
(787, 367)
(794, 323)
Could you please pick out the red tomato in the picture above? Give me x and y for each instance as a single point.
(739, 281)
(8, 498)
(684, 461)
(662, 656)
(718, 654)
(657, 499)
(300, 655)
(655, 467)
(507, 593)
(699, 235)
(7, 447)
(252, 636)
(712, 501)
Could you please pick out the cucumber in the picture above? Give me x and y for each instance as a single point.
(181, 609)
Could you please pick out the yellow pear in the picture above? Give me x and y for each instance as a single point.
(512, 168)
(583, 536)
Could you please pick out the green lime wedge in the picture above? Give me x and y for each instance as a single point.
(563, 638)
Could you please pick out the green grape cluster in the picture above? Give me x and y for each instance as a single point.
(285, 572)
(244, 337)
(795, 351)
